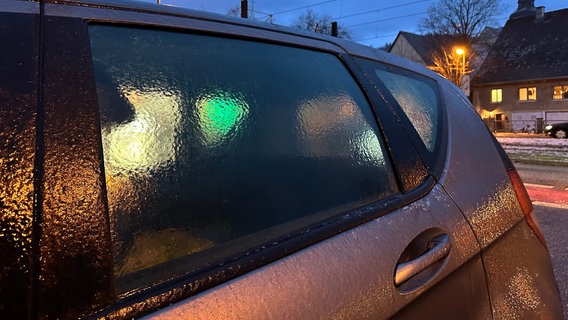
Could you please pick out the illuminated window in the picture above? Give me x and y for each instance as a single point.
(527, 94)
(496, 95)
(217, 150)
(560, 92)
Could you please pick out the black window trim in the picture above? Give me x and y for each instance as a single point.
(63, 108)
(435, 159)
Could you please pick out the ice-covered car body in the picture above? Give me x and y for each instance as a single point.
(164, 162)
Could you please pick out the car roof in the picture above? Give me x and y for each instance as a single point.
(351, 47)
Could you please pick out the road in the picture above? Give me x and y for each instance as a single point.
(548, 188)
(553, 221)
(543, 175)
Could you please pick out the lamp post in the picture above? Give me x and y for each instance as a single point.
(463, 79)
(461, 52)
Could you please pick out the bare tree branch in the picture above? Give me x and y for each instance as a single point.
(450, 65)
(312, 21)
(462, 18)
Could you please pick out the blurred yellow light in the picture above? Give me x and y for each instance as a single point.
(148, 141)
(460, 51)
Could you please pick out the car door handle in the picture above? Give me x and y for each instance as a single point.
(439, 251)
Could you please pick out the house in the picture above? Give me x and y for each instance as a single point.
(523, 83)
(423, 48)
(415, 47)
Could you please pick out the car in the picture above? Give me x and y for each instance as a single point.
(161, 162)
(557, 130)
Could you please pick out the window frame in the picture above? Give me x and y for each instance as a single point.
(310, 235)
(394, 137)
(21, 152)
(496, 95)
(563, 92)
(433, 160)
(315, 216)
(527, 93)
(68, 120)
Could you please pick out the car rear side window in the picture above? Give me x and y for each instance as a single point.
(215, 146)
(417, 96)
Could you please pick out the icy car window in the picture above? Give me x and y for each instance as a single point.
(418, 99)
(213, 146)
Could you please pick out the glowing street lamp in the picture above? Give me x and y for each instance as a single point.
(461, 52)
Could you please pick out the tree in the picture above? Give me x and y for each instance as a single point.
(386, 46)
(464, 19)
(234, 11)
(458, 23)
(451, 65)
(312, 21)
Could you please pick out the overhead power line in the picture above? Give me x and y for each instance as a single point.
(377, 37)
(387, 19)
(304, 7)
(380, 9)
(270, 15)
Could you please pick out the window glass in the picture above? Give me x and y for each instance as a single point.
(496, 95)
(213, 146)
(526, 94)
(418, 99)
(560, 92)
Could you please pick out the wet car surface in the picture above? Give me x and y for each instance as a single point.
(163, 162)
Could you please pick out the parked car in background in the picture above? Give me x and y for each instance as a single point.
(163, 162)
(557, 130)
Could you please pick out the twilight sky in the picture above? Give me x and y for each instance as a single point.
(371, 22)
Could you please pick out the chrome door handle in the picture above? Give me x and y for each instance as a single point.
(439, 251)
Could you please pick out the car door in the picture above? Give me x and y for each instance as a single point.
(416, 100)
(222, 170)
(353, 275)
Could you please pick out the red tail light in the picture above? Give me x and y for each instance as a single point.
(526, 204)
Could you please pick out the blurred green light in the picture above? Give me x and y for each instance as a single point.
(220, 115)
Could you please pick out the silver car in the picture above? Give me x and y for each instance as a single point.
(163, 162)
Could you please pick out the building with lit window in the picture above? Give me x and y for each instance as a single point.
(422, 48)
(523, 83)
